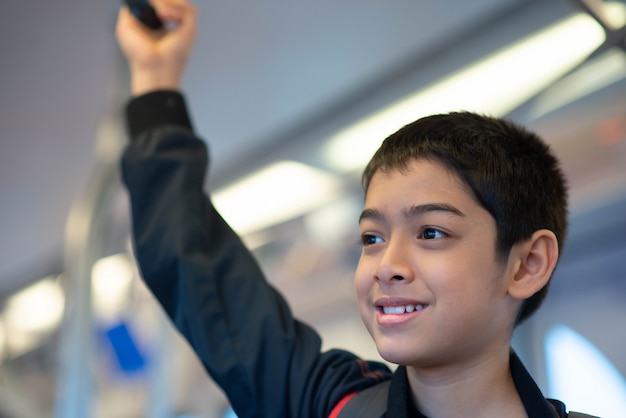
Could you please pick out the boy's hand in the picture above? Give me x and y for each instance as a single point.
(157, 58)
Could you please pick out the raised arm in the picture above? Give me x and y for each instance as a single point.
(268, 363)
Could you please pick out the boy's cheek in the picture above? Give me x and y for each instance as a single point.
(362, 284)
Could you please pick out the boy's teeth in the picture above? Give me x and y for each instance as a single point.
(396, 310)
(390, 310)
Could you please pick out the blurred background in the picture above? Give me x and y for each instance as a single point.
(293, 99)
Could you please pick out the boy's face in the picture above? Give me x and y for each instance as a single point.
(430, 288)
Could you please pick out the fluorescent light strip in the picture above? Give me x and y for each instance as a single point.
(30, 314)
(495, 85)
(602, 72)
(275, 194)
(37, 308)
(111, 283)
(615, 13)
(2, 342)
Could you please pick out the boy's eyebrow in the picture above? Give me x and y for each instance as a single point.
(413, 211)
(373, 214)
(432, 207)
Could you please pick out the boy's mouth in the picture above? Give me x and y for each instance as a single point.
(401, 309)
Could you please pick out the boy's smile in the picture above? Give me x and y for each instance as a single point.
(430, 287)
(394, 311)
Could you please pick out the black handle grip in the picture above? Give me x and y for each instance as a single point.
(145, 13)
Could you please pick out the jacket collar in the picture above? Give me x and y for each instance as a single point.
(400, 404)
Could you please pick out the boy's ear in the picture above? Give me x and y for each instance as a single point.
(535, 261)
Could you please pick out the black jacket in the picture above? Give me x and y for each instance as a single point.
(268, 363)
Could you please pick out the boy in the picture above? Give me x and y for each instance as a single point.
(463, 220)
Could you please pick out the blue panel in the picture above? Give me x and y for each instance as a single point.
(126, 351)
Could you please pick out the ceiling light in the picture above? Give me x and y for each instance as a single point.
(37, 308)
(111, 280)
(598, 74)
(615, 14)
(495, 85)
(275, 194)
(2, 342)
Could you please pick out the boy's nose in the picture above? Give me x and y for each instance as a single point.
(394, 265)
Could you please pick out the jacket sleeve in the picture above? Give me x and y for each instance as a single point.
(268, 363)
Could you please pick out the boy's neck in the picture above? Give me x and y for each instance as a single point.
(483, 387)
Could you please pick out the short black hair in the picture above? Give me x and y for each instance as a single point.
(510, 171)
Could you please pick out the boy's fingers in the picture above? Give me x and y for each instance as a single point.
(183, 17)
(128, 29)
(125, 23)
(172, 10)
(170, 3)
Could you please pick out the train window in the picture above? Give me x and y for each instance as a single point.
(580, 375)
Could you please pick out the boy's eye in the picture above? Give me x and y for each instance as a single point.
(369, 239)
(432, 233)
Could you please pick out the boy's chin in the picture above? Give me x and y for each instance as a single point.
(400, 354)
(410, 354)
